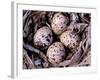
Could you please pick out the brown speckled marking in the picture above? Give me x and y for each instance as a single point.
(49, 35)
(53, 55)
(48, 40)
(42, 35)
(53, 59)
(61, 26)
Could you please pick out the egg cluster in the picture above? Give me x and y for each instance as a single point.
(55, 37)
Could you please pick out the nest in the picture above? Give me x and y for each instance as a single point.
(34, 58)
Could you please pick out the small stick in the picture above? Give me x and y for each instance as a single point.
(42, 55)
(65, 63)
(75, 59)
(72, 61)
(48, 25)
(84, 48)
(25, 16)
(35, 28)
(28, 61)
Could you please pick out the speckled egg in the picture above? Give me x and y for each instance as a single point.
(56, 53)
(59, 23)
(70, 39)
(43, 38)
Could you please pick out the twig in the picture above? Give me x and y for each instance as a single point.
(26, 16)
(42, 55)
(35, 28)
(28, 61)
(48, 25)
(74, 60)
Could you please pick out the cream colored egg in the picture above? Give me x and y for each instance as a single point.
(43, 38)
(59, 23)
(70, 39)
(56, 53)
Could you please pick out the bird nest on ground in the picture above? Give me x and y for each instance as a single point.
(56, 39)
